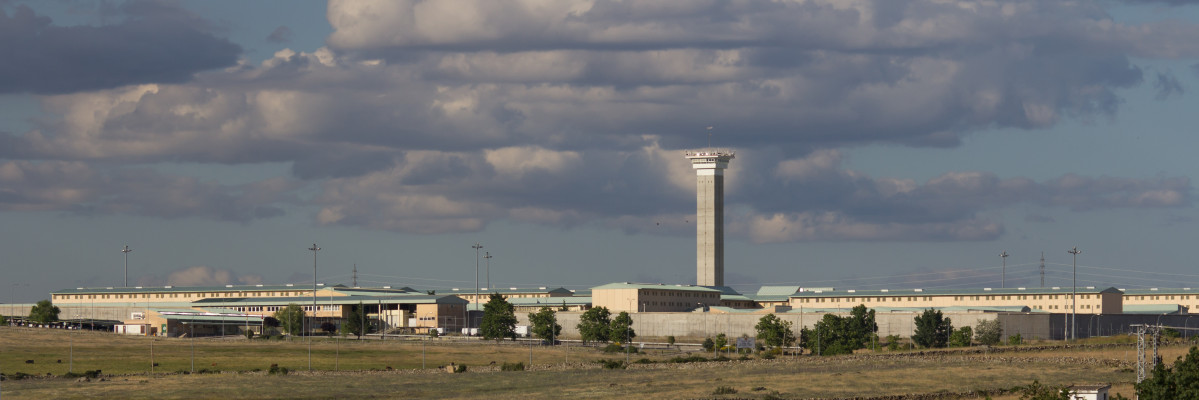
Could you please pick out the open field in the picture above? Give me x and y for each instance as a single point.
(552, 376)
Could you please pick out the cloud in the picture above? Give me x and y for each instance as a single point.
(1167, 84)
(201, 276)
(282, 34)
(154, 43)
(438, 117)
(78, 188)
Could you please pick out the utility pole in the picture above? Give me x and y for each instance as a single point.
(126, 250)
(1042, 270)
(1003, 272)
(477, 246)
(1074, 297)
(487, 256)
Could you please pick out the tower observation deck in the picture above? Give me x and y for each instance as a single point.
(709, 213)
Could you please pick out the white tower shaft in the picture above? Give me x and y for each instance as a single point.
(709, 209)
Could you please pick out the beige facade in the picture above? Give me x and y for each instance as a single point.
(170, 294)
(1185, 297)
(1055, 300)
(633, 297)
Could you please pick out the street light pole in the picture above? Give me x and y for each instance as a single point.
(126, 250)
(487, 256)
(1074, 297)
(314, 250)
(477, 246)
(1003, 272)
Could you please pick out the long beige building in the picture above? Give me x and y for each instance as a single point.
(647, 297)
(1053, 300)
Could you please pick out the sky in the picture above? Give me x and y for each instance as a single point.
(879, 144)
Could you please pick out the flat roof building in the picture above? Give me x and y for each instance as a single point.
(649, 297)
(1052, 300)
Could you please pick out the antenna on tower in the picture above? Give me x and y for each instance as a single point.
(355, 274)
(709, 137)
(1042, 269)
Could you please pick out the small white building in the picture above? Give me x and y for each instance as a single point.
(1089, 392)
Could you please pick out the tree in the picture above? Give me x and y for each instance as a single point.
(499, 319)
(356, 323)
(988, 332)
(961, 337)
(1178, 382)
(861, 326)
(545, 323)
(43, 312)
(721, 341)
(594, 325)
(328, 327)
(932, 329)
(774, 331)
(621, 329)
(291, 318)
(708, 344)
(1037, 391)
(3, 320)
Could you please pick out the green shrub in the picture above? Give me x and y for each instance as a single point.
(670, 340)
(724, 390)
(460, 368)
(613, 364)
(1015, 339)
(708, 344)
(249, 334)
(644, 361)
(517, 366)
(690, 359)
(277, 370)
(616, 348)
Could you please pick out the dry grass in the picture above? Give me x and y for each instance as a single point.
(786, 377)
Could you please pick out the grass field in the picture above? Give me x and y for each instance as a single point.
(551, 376)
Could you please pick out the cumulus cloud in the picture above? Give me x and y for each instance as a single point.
(200, 276)
(153, 42)
(438, 117)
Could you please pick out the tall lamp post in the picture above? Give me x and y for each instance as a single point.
(1003, 272)
(126, 250)
(477, 246)
(314, 250)
(1074, 297)
(487, 256)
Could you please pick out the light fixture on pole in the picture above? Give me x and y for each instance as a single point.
(314, 249)
(1074, 297)
(126, 250)
(477, 246)
(1003, 272)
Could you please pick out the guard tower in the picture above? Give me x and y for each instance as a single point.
(709, 214)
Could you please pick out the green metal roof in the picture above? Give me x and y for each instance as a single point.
(272, 301)
(655, 286)
(171, 289)
(1156, 291)
(951, 292)
(777, 290)
(512, 290)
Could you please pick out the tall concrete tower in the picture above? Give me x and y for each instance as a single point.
(709, 214)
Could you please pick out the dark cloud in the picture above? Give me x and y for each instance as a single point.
(566, 117)
(1167, 85)
(1172, 3)
(78, 188)
(155, 43)
(1038, 218)
(282, 34)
